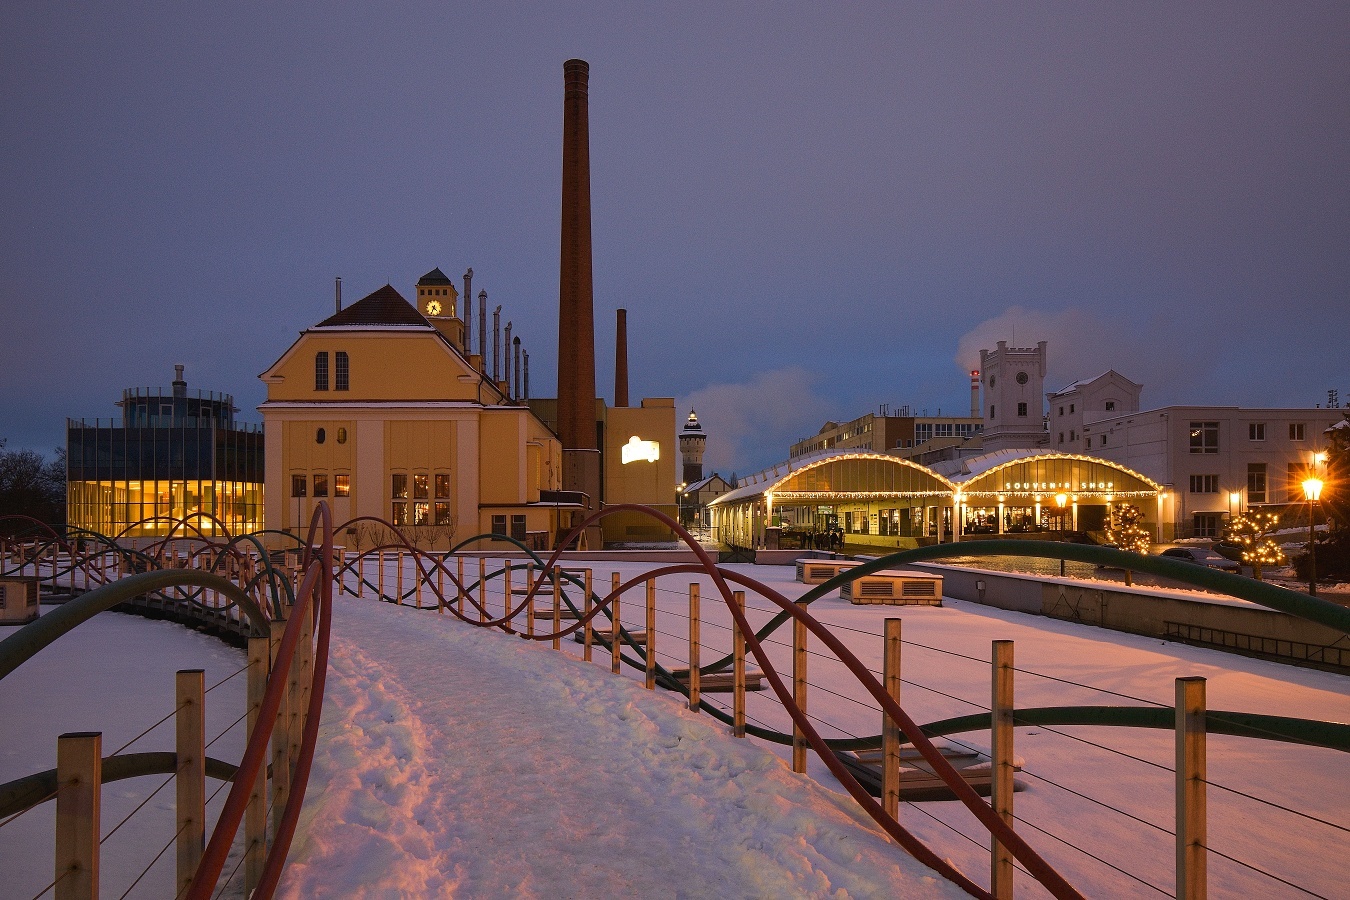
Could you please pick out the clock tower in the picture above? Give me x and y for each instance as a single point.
(438, 300)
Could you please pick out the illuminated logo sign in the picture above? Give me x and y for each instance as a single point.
(638, 449)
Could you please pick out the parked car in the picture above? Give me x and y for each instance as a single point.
(1202, 557)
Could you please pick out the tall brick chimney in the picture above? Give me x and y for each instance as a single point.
(621, 360)
(576, 300)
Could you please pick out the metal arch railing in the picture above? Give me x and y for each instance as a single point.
(1302, 731)
(312, 606)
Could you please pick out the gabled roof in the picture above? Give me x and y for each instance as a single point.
(435, 276)
(384, 307)
(1084, 382)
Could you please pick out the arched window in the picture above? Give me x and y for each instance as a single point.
(341, 371)
(321, 371)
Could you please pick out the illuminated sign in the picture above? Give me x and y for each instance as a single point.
(638, 449)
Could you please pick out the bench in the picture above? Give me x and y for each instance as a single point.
(892, 587)
(721, 682)
(818, 571)
(918, 781)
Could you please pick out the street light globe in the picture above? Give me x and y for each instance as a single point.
(1061, 499)
(1235, 496)
(1312, 489)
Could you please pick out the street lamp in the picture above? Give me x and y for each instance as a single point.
(1312, 489)
(1234, 503)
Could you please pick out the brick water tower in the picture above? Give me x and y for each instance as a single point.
(692, 440)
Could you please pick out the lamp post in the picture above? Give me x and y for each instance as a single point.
(1312, 489)
(1060, 501)
(1234, 503)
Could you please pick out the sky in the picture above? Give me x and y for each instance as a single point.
(809, 210)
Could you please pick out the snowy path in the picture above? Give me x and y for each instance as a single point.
(454, 760)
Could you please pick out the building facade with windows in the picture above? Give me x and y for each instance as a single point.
(175, 455)
(382, 411)
(901, 435)
(1215, 461)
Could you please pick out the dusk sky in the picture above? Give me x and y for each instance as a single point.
(807, 209)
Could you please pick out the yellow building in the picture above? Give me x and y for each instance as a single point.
(637, 463)
(382, 411)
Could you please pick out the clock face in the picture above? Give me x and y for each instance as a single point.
(434, 308)
(1021, 377)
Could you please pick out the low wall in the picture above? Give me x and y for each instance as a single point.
(1155, 612)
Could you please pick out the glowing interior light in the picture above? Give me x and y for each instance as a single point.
(638, 449)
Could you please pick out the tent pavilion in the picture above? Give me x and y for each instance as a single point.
(879, 500)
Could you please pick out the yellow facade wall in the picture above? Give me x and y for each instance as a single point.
(401, 364)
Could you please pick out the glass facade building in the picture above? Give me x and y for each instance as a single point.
(171, 456)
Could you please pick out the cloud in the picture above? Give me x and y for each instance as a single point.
(751, 424)
(1162, 354)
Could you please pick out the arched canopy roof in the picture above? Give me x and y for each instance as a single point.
(846, 476)
(1037, 474)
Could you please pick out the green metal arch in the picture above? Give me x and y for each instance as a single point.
(25, 643)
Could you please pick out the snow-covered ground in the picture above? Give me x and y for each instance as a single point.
(454, 760)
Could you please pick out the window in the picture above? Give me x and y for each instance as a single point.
(421, 512)
(1256, 482)
(1103, 440)
(1208, 525)
(1204, 484)
(1061, 438)
(399, 493)
(342, 436)
(1071, 409)
(1061, 410)
(499, 524)
(991, 411)
(1110, 406)
(442, 486)
(1295, 431)
(1256, 431)
(923, 431)
(320, 485)
(443, 516)
(1022, 409)
(342, 485)
(341, 371)
(1073, 435)
(518, 528)
(321, 371)
(420, 487)
(299, 485)
(320, 436)
(1204, 437)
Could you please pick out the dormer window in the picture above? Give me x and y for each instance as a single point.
(321, 371)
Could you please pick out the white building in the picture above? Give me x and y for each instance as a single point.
(1014, 382)
(1213, 461)
(1109, 395)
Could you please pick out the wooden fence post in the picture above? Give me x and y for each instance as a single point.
(255, 814)
(890, 729)
(398, 577)
(380, 580)
(1191, 800)
(588, 634)
(190, 743)
(650, 682)
(798, 693)
(482, 589)
(694, 643)
(738, 667)
(79, 782)
(506, 591)
(459, 585)
(557, 610)
(281, 769)
(1001, 766)
(440, 584)
(614, 624)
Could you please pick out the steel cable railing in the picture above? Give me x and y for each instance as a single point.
(468, 596)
